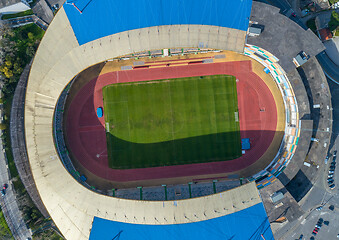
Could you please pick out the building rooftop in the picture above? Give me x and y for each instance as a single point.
(277, 196)
(325, 34)
(6, 3)
(254, 30)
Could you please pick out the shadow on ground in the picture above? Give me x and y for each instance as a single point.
(299, 186)
(206, 148)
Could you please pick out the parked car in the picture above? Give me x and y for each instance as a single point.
(330, 175)
(331, 171)
(334, 158)
(3, 192)
(332, 167)
(326, 160)
(5, 186)
(326, 223)
(335, 153)
(319, 208)
(333, 163)
(331, 207)
(301, 236)
(330, 182)
(332, 186)
(55, 6)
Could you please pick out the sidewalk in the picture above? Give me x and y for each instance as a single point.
(332, 49)
(9, 205)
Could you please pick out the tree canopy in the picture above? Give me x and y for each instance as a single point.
(334, 22)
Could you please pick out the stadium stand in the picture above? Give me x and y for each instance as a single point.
(292, 129)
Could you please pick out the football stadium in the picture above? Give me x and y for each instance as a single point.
(139, 114)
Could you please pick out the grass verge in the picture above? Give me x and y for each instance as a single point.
(5, 232)
(19, 14)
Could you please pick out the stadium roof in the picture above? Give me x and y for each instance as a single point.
(250, 223)
(91, 19)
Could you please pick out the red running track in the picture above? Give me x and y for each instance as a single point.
(87, 138)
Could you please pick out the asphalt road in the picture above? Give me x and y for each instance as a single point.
(9, 205)
(330, 69)
(285, 9)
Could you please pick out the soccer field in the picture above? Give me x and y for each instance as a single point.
(172, 121)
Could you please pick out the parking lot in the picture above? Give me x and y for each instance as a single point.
(331, 167)
(325, 232)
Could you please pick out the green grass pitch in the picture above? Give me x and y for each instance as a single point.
(172, 121)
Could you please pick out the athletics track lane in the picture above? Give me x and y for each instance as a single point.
(87, 138)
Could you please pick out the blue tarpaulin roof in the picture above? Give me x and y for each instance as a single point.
(250, 224)
(100, 18)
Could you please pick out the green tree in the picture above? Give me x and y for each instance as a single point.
(2, 126)
(17, 69)
(6, 71)
(30, 51)
(334, 22)
(30, 36)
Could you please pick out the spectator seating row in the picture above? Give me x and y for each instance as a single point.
(292, 124)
